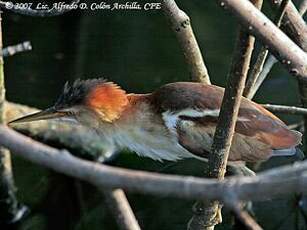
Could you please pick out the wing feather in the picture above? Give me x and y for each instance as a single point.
(192, 111)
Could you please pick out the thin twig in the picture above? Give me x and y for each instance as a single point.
(181, 25)
(286, 109)
(255, 72)
(302, 7)
(296, 125)
(245, 218)
(50, 12)
(250, 90)
(12, 50)
(122, 212)
(283, 48)
(274, 183)
(271, 61)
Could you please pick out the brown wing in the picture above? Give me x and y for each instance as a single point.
(260, 123)
(253, 121)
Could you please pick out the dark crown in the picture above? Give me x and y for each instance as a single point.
(75, 93)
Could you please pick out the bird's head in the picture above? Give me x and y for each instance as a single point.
(88, 102)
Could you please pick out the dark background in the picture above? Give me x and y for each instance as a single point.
(137, 50)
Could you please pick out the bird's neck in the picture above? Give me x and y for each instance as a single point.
(138, 109)
(138, 106)
(141, 129)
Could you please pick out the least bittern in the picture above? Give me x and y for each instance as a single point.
(176, 121)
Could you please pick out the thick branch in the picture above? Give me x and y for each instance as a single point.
(275, 183)
(181, 26)
(294, 24)
(78, 139)
(285, 50)
(230, 105)
(52, 11)
(209, 215)
(122, 212)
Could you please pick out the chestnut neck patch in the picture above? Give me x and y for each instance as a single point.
(108, 99)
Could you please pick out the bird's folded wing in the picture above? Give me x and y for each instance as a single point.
(191, 111)
(256, 133)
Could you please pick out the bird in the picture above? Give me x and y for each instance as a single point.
(174, 122)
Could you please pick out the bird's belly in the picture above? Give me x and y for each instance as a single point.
(161, 145)
(153, 144)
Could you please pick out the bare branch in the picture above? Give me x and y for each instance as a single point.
(245, 218)
(293, 24)
(210, 215)
(303, 7)
(286, 109)
(275, 183)
(250, 90)
(230, 105)
(271, 61)
(255, 72)
(296, 28)
(12, 50)
(122, 212)
(296, 125)
(181, 26)
(283, 48)
(37, 13)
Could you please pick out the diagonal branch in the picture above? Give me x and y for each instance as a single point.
(210, 214)
(230, 105)
(284, 49)
(181, 25)
(122, 212)
(245, 218)
(303, 7)
(252, 84)
(293, 24)
(271, 61)
(296, 28)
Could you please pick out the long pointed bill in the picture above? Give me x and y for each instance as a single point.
(43, 115)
